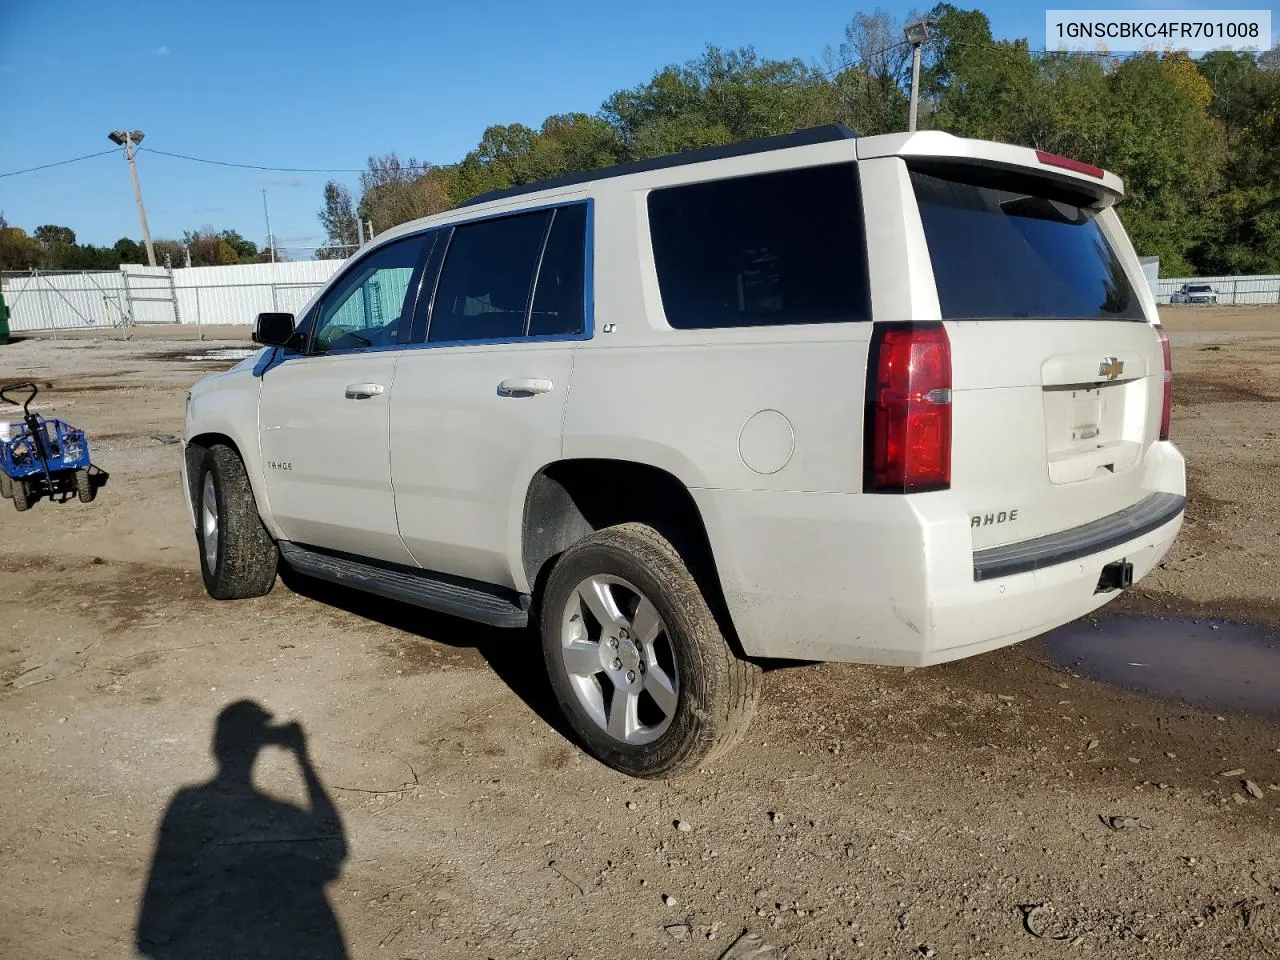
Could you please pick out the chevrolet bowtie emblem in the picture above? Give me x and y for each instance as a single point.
(1110, 367)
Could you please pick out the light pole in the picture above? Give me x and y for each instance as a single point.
(128, 139)
(271, 240)
(916, 34)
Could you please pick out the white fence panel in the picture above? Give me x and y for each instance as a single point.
(65, 301)
(1231, 291)
(237, 294)
(151, 298)
(137, 294)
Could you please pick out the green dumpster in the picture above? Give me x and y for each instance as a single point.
(4, 321)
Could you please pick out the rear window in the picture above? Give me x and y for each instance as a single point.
(1000, 252)
(777, 248)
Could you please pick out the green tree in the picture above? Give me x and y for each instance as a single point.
(129, 251)
(509, 156)
(395, 192)
(246, 251)
(977, 86)
(88, 257)
(173, 252)
(55, 244)
(870, 94)
(208, 247)
(1245, 214)
(338, 218)
(721, 97)
(17, 250)
(1160, 138)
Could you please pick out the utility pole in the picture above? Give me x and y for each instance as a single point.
(271, 240)
(129, 139)
(916, 33)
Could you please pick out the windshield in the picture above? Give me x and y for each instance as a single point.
(1199, 289)
(1001, 252)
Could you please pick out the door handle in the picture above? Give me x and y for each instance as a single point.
(363, 391)
(524, 387)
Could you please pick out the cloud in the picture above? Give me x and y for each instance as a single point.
(162, 51)
(282, 181)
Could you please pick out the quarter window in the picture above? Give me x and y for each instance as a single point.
(558, 301)
(369, 305)
(778, 248)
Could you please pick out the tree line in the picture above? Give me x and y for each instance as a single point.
(52, 247)
(1197, 142)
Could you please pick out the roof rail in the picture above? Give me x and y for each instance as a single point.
(801, 138)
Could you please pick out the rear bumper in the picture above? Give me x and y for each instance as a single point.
(1151, 513)
(891, 580)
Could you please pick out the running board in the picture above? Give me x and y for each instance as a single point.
(422, 588)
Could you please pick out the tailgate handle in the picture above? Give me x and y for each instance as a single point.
(1099, 368)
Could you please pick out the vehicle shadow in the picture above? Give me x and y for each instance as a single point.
(514, 655)
(237, 873)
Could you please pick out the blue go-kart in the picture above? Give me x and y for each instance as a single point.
(43, 457)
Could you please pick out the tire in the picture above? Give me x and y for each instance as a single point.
(685, 696)
(84, 486)
(22, 495)
(6, 485)
(238, 558)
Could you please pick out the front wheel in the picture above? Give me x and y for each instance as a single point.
(238, 558)
(22, 494)
(6, 485)
(636, 658)
(84, 486)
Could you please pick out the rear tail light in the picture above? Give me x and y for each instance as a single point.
(1166, 400)
(1079, 166)
(907, 425)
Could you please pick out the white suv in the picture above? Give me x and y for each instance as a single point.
(892, 400)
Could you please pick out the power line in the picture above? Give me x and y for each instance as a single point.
(839, 68)
(60, 163)
(1013, 47)
(254, 166)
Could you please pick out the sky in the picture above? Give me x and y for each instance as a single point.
(325, 84)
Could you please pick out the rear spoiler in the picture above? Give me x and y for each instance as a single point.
(935, 145)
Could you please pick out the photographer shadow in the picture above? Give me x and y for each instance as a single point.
(237, 873)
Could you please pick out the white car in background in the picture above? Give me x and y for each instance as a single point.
(1194, 293)
(893, 400)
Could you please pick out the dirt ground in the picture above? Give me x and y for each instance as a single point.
(996, 807)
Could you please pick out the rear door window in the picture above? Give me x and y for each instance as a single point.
(1019, 248)
(487, 280)
(777, 248)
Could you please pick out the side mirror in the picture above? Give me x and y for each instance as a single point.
(273, 329)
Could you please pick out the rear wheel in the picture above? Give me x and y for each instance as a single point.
(22, 494)
(84, 486)
(238, 558)
(636, 658)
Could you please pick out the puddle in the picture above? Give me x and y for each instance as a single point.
(222, 354)
(1221, 666)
